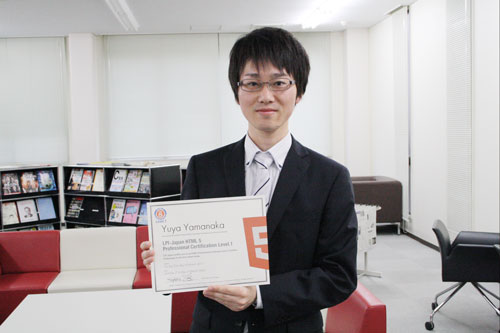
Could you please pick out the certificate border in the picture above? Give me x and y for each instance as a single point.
(150, 206)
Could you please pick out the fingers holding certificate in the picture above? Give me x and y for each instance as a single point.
(201, 243)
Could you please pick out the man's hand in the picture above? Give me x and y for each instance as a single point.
(148, 254)
(235, 298)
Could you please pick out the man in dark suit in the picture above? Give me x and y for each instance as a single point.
(311, 220)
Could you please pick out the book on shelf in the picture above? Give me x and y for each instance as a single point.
(98, 181)
(75, 207)
(46, 227)
(142, 218)
(9, 213)
(133, 181)
(10, 184)
(75, 179)
(87, 180)
(131, 211)
(27, 210)
(46, 180)
(144, 186)
(29, 182)
(117, 208)
(46, 209)
(118, 180)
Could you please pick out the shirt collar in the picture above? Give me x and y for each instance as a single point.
(278, 151)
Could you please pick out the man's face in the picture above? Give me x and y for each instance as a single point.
(267, 111)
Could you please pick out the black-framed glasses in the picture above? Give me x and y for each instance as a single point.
(252, 85)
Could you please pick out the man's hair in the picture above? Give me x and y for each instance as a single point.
(270, 45)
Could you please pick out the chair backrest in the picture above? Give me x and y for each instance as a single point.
(443, 238)
(182, 311)
(98, 248)
(362, 312)
(29, 251)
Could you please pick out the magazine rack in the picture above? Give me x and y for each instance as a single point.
(104, 205)
(29, 198)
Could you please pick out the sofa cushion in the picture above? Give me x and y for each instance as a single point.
(34, 283)
(93, 280)
(142, 279)
(29, 251)
(98, 248)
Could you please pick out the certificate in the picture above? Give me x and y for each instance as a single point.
(199, 243)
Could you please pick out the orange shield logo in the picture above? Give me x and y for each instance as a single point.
(256, 237)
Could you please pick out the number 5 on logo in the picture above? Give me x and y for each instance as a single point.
(256, 237)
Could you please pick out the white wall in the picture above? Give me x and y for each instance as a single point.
(357, 102)
(86, 142)
(337, 96)
(169, 95)
(428, 116)
(382, 99)
(33, 119)
(486, 109)
(429, 123)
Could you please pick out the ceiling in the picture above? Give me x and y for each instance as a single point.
(33, 18)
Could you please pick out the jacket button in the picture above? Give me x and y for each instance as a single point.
(253, 324)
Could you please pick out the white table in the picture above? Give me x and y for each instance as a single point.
(367, 235)
(139, 310)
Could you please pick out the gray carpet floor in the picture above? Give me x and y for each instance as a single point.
(411, 277)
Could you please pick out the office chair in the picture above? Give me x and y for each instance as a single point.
(473, 257)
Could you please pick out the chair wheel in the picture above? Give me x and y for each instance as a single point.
(429, 326)
(434, 305)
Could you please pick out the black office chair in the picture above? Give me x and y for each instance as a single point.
(473, 257)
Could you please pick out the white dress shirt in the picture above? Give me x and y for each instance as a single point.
(278, 153)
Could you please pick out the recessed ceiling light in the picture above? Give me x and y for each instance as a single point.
(322, 13)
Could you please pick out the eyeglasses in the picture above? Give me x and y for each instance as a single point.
(253, 85)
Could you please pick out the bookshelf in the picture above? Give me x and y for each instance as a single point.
(29, 198)
(116, 195)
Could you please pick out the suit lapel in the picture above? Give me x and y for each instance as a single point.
(234, 168)
(296, 163)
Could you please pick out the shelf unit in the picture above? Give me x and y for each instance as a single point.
(96, 207)
(44, 199)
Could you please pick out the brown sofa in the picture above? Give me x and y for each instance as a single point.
(384, 192)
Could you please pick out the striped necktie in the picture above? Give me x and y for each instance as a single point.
(263, 183)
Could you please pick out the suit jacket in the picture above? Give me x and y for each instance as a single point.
(312, 231)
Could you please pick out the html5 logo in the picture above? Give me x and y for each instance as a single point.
(256, 237)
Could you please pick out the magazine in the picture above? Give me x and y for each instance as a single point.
(74, 207)
(46, 227)
(75, 179)
(133, 181)
(46, 181)
(118, 180)
(116, 213)
(87, 180)
(29, 182)
(144, 186)
(46, 209)
(131, 211)
(10, 184)
(98, 181)
(27, 210)
(9, 213)
(143, 214)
